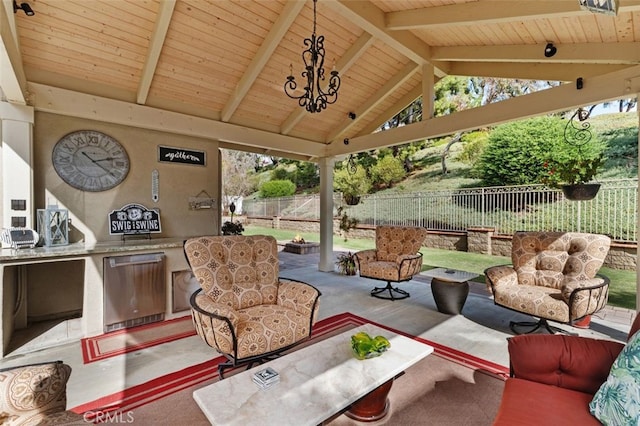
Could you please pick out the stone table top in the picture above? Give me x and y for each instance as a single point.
(452, 275)
(316, 382)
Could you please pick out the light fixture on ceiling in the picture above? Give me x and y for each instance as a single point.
(314, 98)
(550, 50)
(24, 7)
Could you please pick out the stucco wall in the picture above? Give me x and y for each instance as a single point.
(89, 210)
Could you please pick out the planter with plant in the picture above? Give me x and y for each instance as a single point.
(346, 223)
(346, 263)
(573, 170)
(574, 177)
(230, 227)
(352, 181)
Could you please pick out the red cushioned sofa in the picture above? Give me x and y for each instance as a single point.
(554, 377)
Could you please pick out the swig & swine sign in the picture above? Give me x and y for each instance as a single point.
(134, 219)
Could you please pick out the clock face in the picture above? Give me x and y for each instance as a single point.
(90, 160)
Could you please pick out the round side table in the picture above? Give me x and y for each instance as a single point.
(449, 296)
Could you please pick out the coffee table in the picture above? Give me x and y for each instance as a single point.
(450, 288)
(316, 382)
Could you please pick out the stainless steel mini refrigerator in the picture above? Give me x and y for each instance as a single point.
(134, 290)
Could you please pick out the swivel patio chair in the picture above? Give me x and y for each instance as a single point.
(553, 277)
(243, 309)
(396, 258)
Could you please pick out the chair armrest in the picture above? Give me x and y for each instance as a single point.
(500, 275)
(366, 256)
(409, 264)
(585, 297)
(216, 323)
(220, 311)
(571, 362)
(299, 296)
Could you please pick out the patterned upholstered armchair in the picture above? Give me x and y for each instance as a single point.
(36, 394)
(243, 309)
(396, 258)
(553, 277)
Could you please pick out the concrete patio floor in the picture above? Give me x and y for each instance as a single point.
(481, 329)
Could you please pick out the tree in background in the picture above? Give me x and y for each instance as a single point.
(387, 171)
(237, 175)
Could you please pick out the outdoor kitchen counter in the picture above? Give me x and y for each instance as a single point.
(45, 281)
(84, 249)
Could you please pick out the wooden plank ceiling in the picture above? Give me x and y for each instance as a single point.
(227, 61)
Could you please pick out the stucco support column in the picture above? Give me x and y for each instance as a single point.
(326, 214)
(16, 162)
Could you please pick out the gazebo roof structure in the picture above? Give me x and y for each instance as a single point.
(216, 68)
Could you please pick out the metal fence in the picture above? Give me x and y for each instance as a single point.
(507, 209)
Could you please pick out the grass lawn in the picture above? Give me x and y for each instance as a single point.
(622, 290)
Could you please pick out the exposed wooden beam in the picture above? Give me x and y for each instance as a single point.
(390, 112)
(269, 45)
(264, 151)
(354, 52)
(489, 12)
(529, 71)
(619, 84)
(584, 53)
(74, 104)
(371, 19)
(389, 87)
(155, 48)
(13, 81)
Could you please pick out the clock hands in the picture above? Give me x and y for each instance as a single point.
(97, 162)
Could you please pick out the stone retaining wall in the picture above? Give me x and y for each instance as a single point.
(475, 240)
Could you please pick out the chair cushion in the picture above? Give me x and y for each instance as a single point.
(32, 393)
(617, 402)
(381, 270)
(572, 362)
(393, 241)
(268, 328)
(529, 403)
(539, 301)
(545, 258)
(241, 271)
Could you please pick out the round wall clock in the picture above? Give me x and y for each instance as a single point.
(90, 161)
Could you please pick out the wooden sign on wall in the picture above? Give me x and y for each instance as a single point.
(167, 154)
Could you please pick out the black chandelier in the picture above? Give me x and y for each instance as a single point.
(314, 98)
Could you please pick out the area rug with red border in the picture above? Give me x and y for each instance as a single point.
(133, 339)
(162, 387)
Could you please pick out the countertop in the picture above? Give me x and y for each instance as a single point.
(83, 249)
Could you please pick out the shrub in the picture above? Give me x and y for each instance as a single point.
(516, 152)
(277, 188)
(387, 171)
(232, 228)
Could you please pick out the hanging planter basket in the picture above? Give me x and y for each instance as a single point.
(350, 199)
(581, 191)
